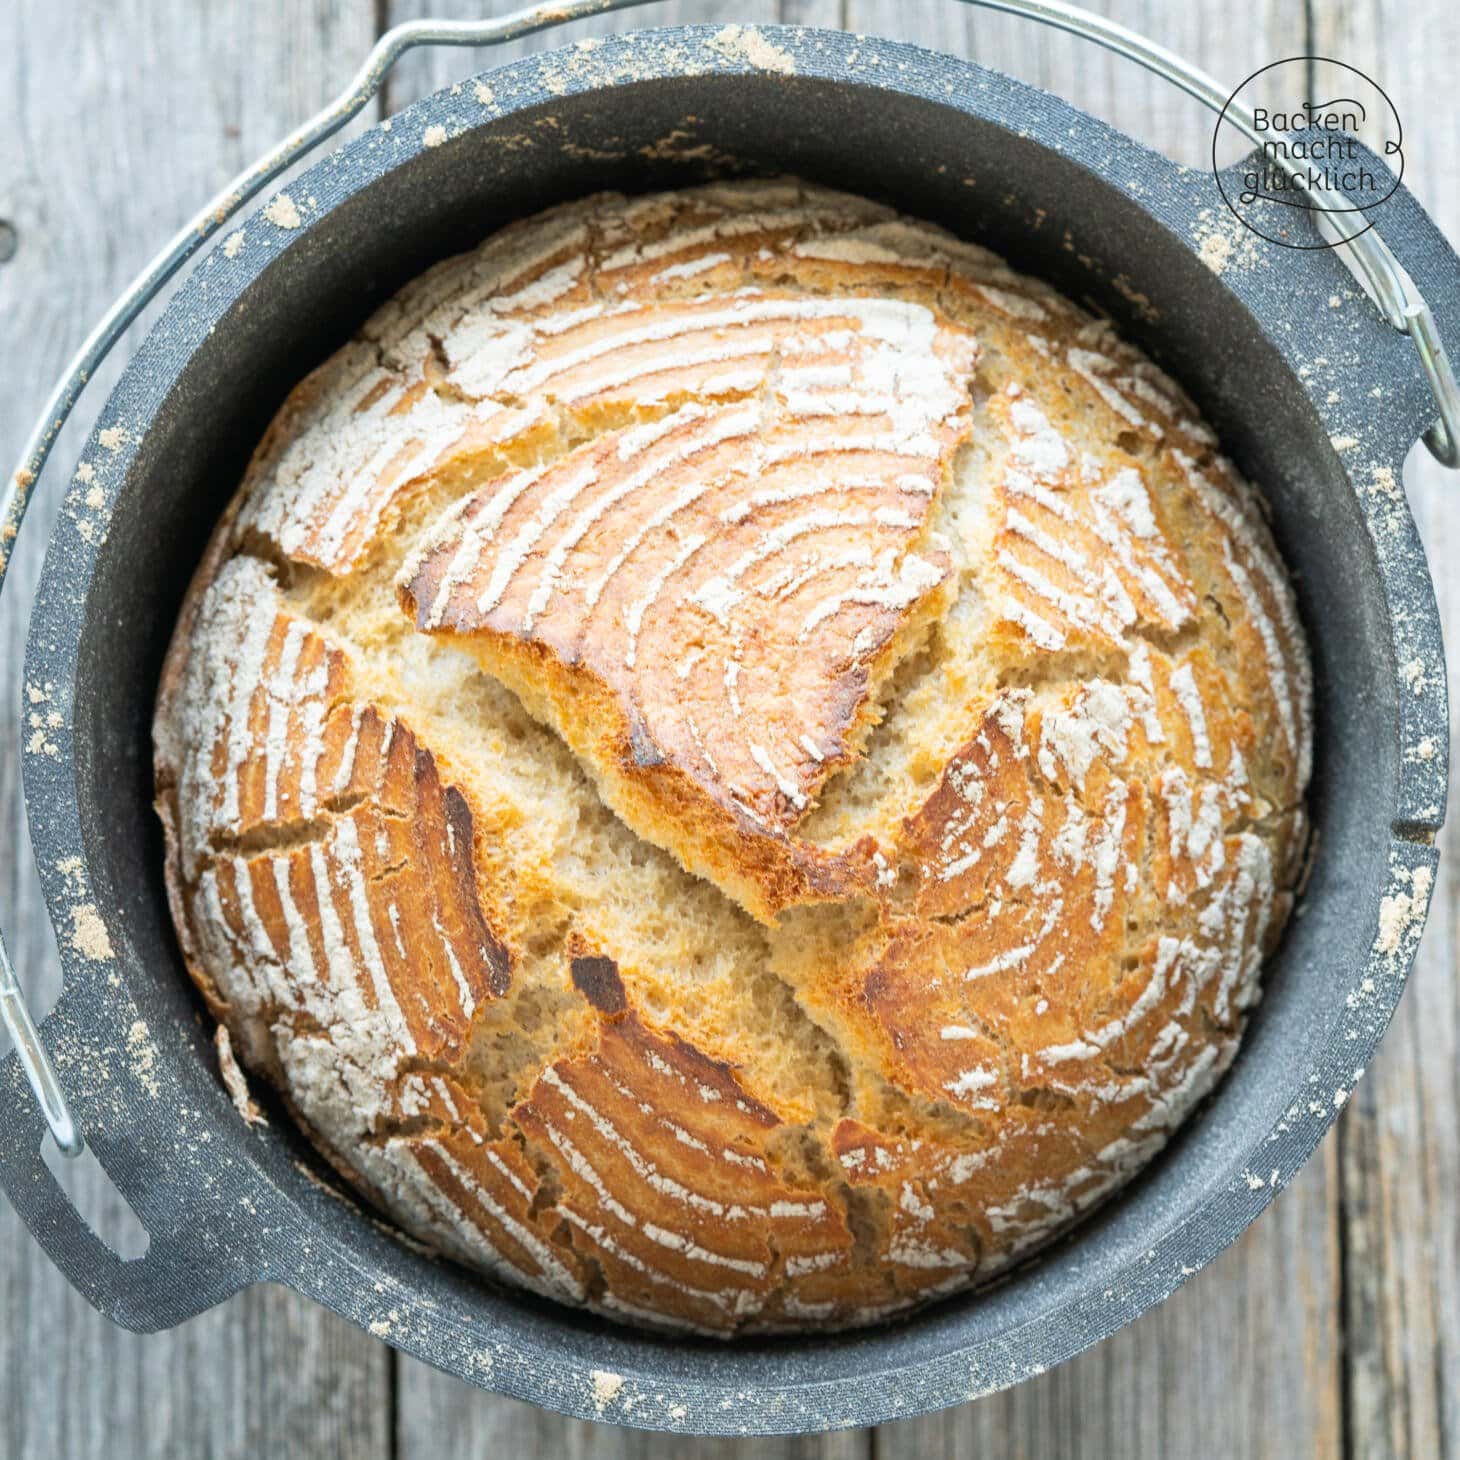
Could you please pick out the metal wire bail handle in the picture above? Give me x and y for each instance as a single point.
(1401, 305)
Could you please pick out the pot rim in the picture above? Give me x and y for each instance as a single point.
(739, 1388)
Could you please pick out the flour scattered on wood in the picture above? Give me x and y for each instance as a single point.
(88, 934)
(282, 213)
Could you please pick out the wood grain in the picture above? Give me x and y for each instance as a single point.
(116, 121)
(1330, 1328)
(1400, 1140)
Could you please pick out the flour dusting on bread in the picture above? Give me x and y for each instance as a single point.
(734, 760)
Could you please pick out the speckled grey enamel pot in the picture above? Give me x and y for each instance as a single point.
(1318, 400)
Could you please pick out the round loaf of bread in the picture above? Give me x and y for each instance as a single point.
(734, 760)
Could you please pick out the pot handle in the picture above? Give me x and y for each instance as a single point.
(191, 1262)
(1400, 302)
(1429, 260)
(18, 489)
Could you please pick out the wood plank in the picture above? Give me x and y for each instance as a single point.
(447, 1418)
(832, 14)
(1401, 1135)
(439, 1415)
(1246, 1359)
(1247, 1352)
(116, 121)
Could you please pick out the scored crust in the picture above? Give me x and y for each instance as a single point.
(734, 760)
(652, 590)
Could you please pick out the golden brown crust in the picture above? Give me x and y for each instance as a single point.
(662, 1170)
(706, 606)
(909, 610)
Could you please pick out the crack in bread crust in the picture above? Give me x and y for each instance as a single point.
(704, 606)
(811, 822)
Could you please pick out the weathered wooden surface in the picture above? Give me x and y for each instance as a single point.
(1399, 1146)
(1332, 1327)
(117, 121)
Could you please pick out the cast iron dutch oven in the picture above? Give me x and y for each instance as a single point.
(1285, 377)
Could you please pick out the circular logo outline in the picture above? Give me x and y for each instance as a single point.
(1398, 147)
